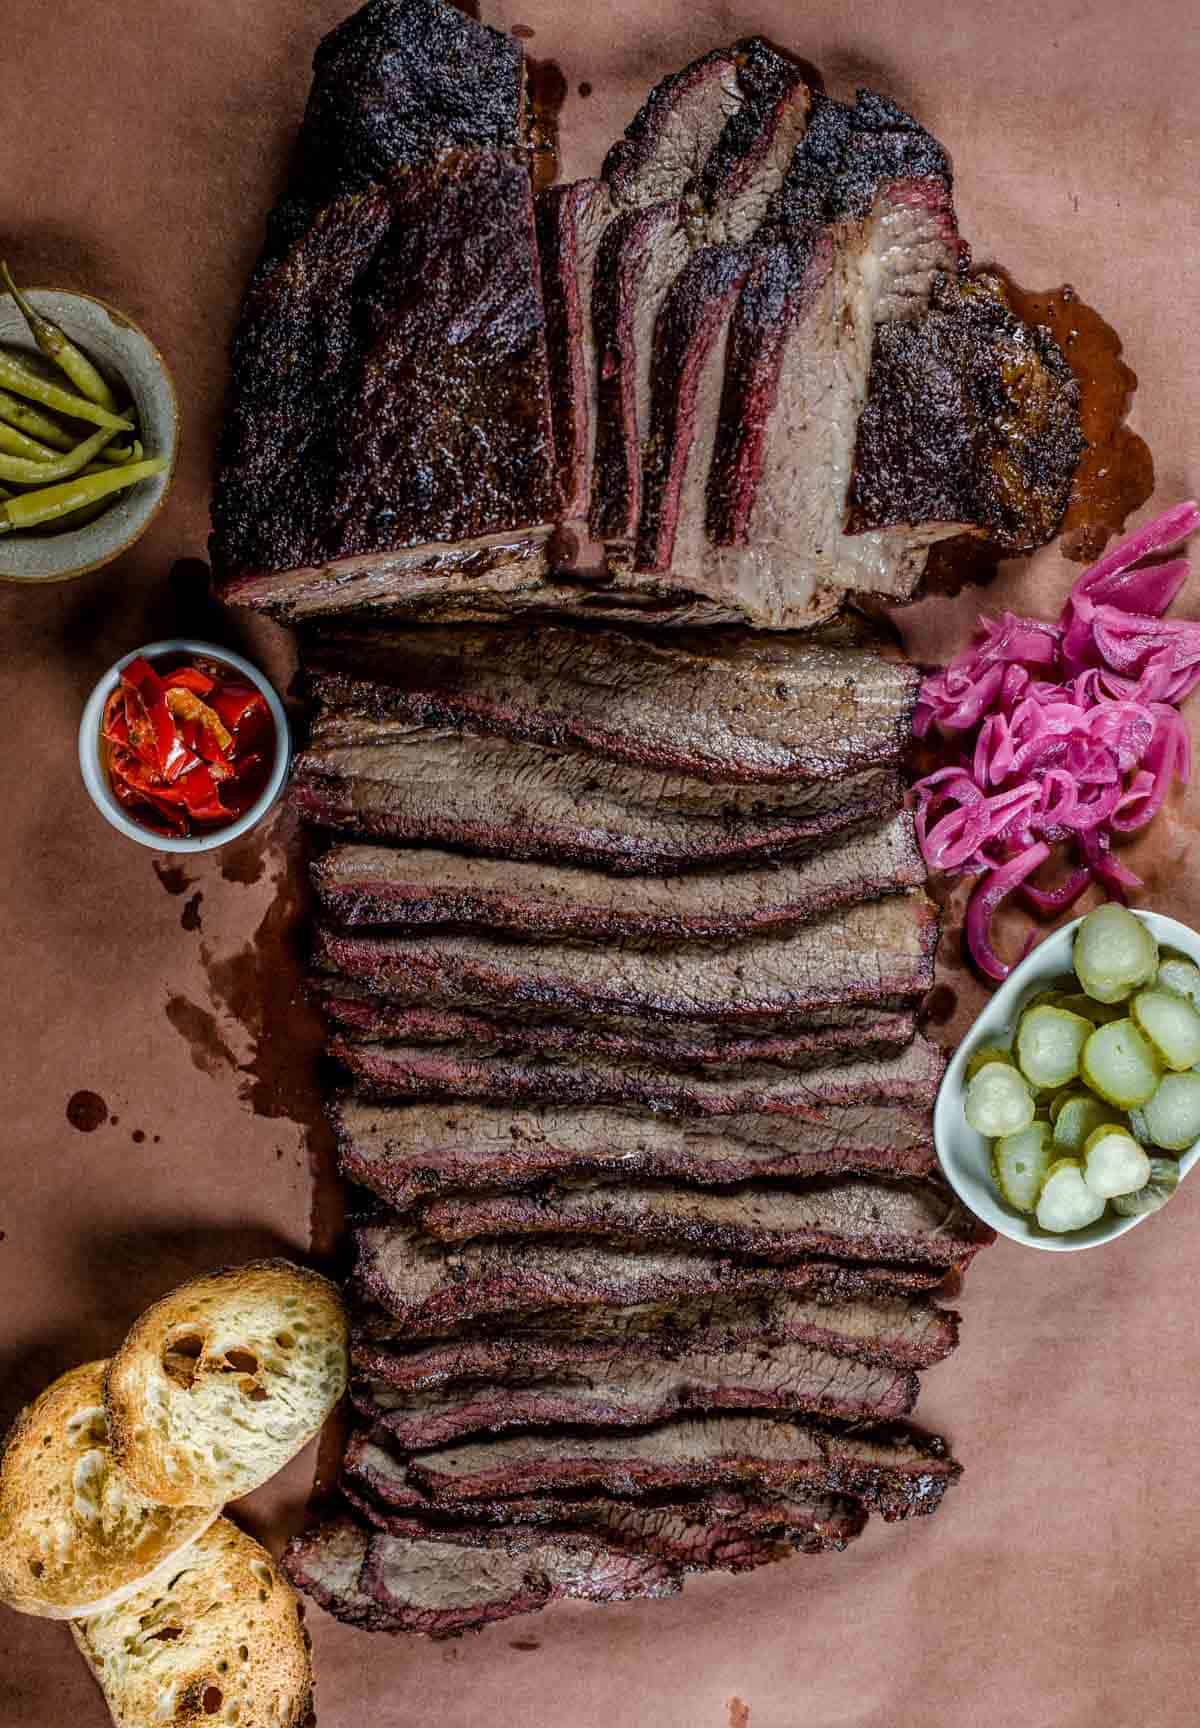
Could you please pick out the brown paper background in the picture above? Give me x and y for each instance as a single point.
(140, 148)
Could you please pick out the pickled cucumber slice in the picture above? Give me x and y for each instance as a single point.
(1182, 976)
(998, 1102)
(1164, 1179)
(1120, 1065)
(1114, 1163)
(988, 1053)
(1066, 1202)
(1171, 1024)
(1115, 954)
(1081, 1115)
(1019, 1165)
(1172, 1115)
(1049, 1044)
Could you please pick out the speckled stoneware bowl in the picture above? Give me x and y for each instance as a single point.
(965, 1155)
(126, 356)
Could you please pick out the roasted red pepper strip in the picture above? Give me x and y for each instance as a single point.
(115, 726)
(189, 678)
(201, 797)
(233, 702)
(152, 728)
(247, 783)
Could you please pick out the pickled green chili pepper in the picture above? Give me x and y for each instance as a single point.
(15, 377)
(44, 430)
(14, 443)
(22, 472)
(57, 346)
(49, 503)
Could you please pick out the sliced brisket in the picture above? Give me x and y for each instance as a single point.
(425, 1289)
(875, 956)
(972, 420)
(525, 801)
(458, 1038)
(719, 1531)
(737, 707)
(327, 1564)
(898, 1471)
(890, 1331)
(363, 886)
(407, 1152)
(607, 1386)
(853, 1218)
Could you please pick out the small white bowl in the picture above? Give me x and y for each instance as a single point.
(124, 353)
(964, 1154)
(95, 778)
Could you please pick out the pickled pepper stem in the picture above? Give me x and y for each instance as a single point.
(49, 503)
(25, 473)
(15, 377)
(57, 346)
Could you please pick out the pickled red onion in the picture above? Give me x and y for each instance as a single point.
(1070, 732)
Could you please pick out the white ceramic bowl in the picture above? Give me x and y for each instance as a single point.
(123, 352)
(964, 1154)
(95, 778)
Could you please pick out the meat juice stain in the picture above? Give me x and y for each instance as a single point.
(1116, 472)
(547, 88)
(524, 1644)
(585, 89)
(262, 988)
(191, 912)
(739, 1714)
(173, 877)
(202, 1034)
(86, 1111)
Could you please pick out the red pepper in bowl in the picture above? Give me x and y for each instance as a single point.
(188, 747)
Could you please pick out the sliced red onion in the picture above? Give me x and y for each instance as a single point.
(1053, 902)
(991, 891)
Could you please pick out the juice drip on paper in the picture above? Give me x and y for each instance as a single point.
(547, 88)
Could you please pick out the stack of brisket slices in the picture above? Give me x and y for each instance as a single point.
(621, 942)
(745, 359)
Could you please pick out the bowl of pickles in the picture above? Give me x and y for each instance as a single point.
(89, 428)
(1071, 1110)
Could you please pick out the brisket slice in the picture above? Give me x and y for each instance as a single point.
(522, 800)
(455, 1037)
(822, 1098)
(444, 1582)
(427, 1289)
(365, 886)
(898, 1471)
(889, 1331)
(608, 1386)
(972, 420)
(736, 708)
(407, 1152)
(327, 1563)
(571, 222)
(665, 150)
(718, 1531)
(875, 956)
(853, 1218)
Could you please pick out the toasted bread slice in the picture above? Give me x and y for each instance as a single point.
(220, 1639)
(225, 1379)
(76, 1536)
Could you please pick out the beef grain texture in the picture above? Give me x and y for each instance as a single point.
(898, 1471)
(852, 1218)
(361, 887)
(447, 1582)
(426, 1289)
(738, 708)
(518, 800)
(451, 1037)
(872, 957)
(406, 1152)
(888, 1331)
(718, 1531)
(610, 1387)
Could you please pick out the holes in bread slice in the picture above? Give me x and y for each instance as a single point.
(240, 1362)
(212, 1700)
(181, 1357)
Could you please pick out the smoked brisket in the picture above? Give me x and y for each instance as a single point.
(365, 886)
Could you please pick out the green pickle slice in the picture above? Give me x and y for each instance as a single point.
(1120, 1065)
